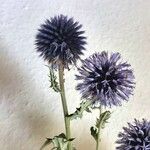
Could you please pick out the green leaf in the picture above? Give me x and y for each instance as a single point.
(84, 106)
(59, 142)
(88, 109)
(47, 142)
(100, 123)
(53, 80)
(103, 118)
(94, 132)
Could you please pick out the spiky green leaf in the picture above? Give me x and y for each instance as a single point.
(47, 142)
(53, 80)
(100, 124)
(59, 142)
(104, 118)
(94, 132)
(84, 106)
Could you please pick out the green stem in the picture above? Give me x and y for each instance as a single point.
(64, 104)
(99, 129)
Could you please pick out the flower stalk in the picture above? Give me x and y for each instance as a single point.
(100, 124)
(99, 129)
(64, 105)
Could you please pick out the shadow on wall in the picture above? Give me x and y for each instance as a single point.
(20, 102)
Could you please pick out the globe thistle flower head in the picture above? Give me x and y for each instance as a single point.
(60, 41)
(105, 79)
(135, 137)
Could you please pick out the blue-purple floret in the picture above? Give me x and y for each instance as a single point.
(105, 79)
(60, 41)
(135, 137)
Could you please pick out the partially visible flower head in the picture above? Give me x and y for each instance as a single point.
(59, 40)
(105, 79)
(135, 137)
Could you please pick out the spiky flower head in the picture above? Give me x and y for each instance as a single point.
(135, 137)
(105, 79)
(60, 41)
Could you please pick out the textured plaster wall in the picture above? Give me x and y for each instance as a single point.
(29, 110)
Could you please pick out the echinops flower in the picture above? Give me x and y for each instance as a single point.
(135, 137)
(105, 79)
(60, 41)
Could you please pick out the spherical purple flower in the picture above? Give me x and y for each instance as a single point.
(59, 40)
(105, 79)
(135, 137)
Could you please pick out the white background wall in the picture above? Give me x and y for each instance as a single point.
(29, 110)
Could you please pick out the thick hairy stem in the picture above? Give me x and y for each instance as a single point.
(64, 104)
(99, 129)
